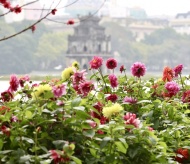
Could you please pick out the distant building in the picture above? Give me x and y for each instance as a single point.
(137, 13)
(181, 23)
(141, 28)
(88, 40)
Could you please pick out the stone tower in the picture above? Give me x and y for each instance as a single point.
(88, 40)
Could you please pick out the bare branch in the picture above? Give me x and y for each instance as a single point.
(29, 27)
(81, 19)
(57, 8)
(20, 6)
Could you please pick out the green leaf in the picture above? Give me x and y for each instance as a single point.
(29, 140)
(121, 147)
(144, 101)
(93, 152)
(105, 141)
(94, 75)
(76, 102)
(170, 113)
(89, 133)
(78, 161)
(82, 108)
(1, 144)
(59, 143)
(28, 114)
(25, 158)
(118, 128)
(82, 114)
(187, 111)
(5, 151)
(124, 142)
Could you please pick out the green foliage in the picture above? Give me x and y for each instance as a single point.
(43, 130)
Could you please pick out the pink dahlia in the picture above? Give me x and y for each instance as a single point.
(77, 89)
(172, 88)
(112, 97)
(14, 83)
(138, 69)
(111, 63)
(59, 90)
(122, 68)
(79, 76)
(131, 119)
(86, 87)
(177, 70)
(186, 96)
(130, 100)
(6, 96)
(5, 130)
(23, 79)
(96, 62)
(113, 80)
(57, 158)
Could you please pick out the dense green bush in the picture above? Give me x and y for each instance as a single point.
(105, 119)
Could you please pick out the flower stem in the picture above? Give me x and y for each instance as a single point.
(181, 81)
(103, 79)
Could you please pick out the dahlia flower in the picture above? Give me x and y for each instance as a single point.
(112, 110)
(138, 69)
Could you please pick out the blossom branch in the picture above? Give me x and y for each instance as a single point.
(1, 15)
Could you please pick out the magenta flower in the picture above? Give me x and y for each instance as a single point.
(23, 79)
(60, 103)
(122, 68)
(186, 97)
(86, 87)
(103, 120)
(79, 77)
(92, 123)
(111, 63)
(177, 70)
(5, 130)
(96, 62)
(98, 106)
(77, 89)
(113, 80)
(56, 157)
(112, 98)
(138, 69)
(130, 100)
(172, 88)
(150, 129)
(130, 119)
(14, 83)
(59, 90)
(14, 118)
(6, 96)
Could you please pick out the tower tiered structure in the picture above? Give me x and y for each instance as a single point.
(89, 39)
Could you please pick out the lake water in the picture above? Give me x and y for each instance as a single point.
(4, 85)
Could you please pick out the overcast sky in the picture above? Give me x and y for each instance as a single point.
(159, 7)
(153, 7)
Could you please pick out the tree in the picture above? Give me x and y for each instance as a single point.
(159, 36)
(51, 48)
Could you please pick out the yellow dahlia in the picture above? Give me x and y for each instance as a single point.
(75, 64)
(67, 73)
(39, 91)
(114, 109)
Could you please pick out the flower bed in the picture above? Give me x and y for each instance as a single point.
(105, 119)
